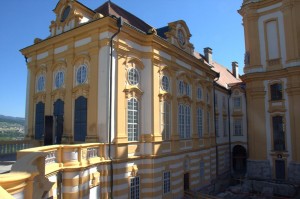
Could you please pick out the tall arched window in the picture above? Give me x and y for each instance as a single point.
(59, 119)
(165, 120)
(39, 120)
(133, 119)
(278, 133)
(184, 121)
(40, 83)
(80, 123)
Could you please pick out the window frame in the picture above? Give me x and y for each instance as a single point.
(200, 122)
(165, 120)
(41, 80)
(59, 79)
(184, 121)
(134, 187)
(166, 182)
(79, 74)
(199, 94)
(133, 76)
(134, 135)
(238, 127)
(181, 87)
(165, 83)
(276, 92)
(278, 133)
(237, 102)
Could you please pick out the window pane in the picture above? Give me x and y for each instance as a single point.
(276, 92)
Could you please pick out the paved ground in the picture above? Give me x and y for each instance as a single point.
(5, 166)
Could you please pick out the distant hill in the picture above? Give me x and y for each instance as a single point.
(12, 120)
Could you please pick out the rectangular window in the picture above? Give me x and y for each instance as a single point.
(133, 120)
(217, 127)
(224, 103)
(272, 40)
(236, 102)
(202, 171)
(135, 188)
(238, 127)
(200, 122)
(278, 133)
(216, 101)
(276, 92)
(167, 182)
(165, 120)
(208, 122)
(225, 127)
(184, 121)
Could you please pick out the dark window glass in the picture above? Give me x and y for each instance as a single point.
(65, 13)
(39, 120)
(276, 92)
(278, 133)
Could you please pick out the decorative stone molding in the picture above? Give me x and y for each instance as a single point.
(58, 94)
(133, 91)
(40, 97)
(81, 90)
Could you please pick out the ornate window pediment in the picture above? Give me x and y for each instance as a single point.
(69, 15)
(178, 34)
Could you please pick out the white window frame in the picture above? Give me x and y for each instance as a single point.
(133, 76)
(184, 121)
(133, 119)
(238, 127)
(165, 119)
(237, 102)
(134, 187)
(181, 87)
(166, 182)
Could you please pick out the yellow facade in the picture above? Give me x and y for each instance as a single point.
(272, 65)
(155, 78)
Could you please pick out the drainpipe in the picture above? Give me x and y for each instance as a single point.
(229, 132)
(217, 156)
(119, 24)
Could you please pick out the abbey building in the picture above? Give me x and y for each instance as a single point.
(132, 111)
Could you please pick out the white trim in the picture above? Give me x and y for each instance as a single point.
(162, 54)
(138, 47)
(279, 16)
(69, 189)
(42, 55)
(60, 49)
(82, 42)
(185, 65)
(277, 5)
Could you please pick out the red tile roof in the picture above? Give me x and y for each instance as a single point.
(226, 77)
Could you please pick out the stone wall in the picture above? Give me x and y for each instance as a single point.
(259, 169)
(294, 173)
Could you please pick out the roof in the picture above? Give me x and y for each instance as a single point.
(226, 77)
(109, 8)
(161, 31)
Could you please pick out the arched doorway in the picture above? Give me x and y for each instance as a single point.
(239, 158)
(58, 113)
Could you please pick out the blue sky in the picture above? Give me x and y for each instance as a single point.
(212, 23)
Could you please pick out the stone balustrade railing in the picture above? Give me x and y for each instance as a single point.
(37, 163)
(10, 147)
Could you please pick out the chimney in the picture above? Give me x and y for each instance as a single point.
(208, 54)
(235, 69)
